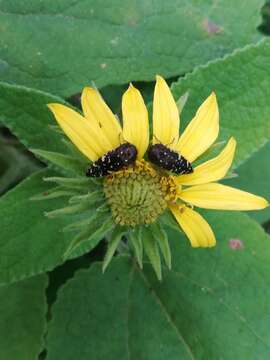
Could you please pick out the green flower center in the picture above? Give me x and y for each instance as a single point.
(137, 195)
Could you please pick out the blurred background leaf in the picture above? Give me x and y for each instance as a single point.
(16, 162)
(265, 26)
(60, 46)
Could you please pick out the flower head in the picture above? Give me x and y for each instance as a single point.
(135, 199)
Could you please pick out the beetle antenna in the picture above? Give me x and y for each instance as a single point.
(157, 139)
(170, 142)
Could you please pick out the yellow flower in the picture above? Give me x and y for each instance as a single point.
(204, 192)
(139, 194)
(99, 131)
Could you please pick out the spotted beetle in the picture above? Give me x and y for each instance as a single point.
(168, 159)
(114, 160)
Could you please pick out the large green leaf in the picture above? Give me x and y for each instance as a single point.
(25, 112)
(214, 304)
(254, 176)
(15, 163)
(22, 319)
(62, 45)
(242, 84)
(30, 243)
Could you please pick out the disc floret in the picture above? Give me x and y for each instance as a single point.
(137, 195)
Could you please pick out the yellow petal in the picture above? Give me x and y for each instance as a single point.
(96, 110)
(201, 132)
(193, 224)
(165, 115)
(135, 120)
(86, 136)
(218, 196)
(212, 170)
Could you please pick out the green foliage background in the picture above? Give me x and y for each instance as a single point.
(214, 304)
